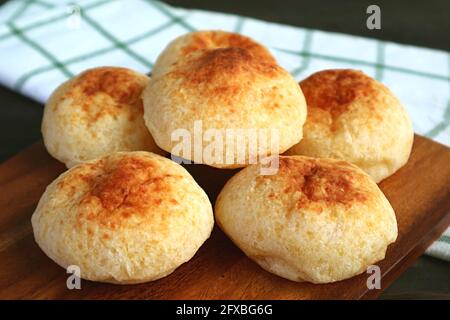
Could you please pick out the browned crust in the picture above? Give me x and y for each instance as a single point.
(116, 89)
(119, 189)
(216, 69)
(215, 39)
(335, 90)
(320, 182)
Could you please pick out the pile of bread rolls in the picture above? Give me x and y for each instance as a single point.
(125, 213)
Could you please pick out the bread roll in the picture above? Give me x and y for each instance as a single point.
(225, 89)
(96, 113)
(316, 220)
(130, 217)
(355, 118)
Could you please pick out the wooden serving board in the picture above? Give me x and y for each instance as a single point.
(419, 193)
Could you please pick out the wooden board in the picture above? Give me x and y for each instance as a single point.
(419, 193)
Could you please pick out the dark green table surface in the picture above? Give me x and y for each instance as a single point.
(423, 23)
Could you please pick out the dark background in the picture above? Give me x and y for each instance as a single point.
(422, 23)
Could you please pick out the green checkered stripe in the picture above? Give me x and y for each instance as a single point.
(54, 63)
(39, 50)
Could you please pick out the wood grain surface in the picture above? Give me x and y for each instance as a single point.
(419, 193)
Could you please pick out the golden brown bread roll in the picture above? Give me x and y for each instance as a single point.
(130, 217)
(225, 88)
(355, 118)
(97, 113)
(316, 220)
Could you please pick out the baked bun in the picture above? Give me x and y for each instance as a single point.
(96, 113)
(130, 217)
(206, 40)
(225, 89)
(316, 220)
(355, 118)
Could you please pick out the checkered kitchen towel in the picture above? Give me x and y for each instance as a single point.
(44, 42)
